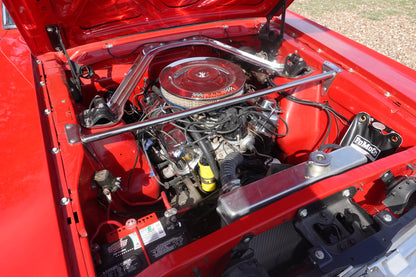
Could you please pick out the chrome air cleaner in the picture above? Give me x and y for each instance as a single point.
(194, 82)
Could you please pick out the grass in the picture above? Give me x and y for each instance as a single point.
(376, 10)
(386, 26)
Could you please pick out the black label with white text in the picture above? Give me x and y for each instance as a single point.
(366, 147)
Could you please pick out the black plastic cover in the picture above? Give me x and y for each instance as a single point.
(371, 137)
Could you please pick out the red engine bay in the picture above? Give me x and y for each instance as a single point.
(178, 156)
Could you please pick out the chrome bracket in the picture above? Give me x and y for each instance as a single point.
(141, 64)
(142, 125)
(73, 133)
(326, 67)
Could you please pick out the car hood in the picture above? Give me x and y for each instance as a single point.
(83, 22)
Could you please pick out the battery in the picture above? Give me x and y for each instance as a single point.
(131, 248)
(161, 236)
(123, 255)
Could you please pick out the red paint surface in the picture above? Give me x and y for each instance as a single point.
(119, 18)
(31, 233)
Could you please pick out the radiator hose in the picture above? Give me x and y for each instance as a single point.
(228, 168)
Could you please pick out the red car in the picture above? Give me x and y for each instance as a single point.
(200, 138)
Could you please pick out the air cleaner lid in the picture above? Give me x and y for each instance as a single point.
(202, 78)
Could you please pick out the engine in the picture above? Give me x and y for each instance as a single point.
(191, 148)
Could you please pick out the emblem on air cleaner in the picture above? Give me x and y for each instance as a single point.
(202, 74)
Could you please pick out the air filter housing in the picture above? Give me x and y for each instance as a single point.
(194, 82)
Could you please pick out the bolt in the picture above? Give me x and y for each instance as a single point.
(387, 94)
(42, 83)
(320, 157)
(346, 193)
(64, 201)
(387, 218)
(63, 101)
(394, 139)
(247, 240)
(55, 150)
(351, 70)
(72, 141)
(38, 62)
(319, 254)
(47, 111)
(319, 50)
(49, 29)
(303, 213)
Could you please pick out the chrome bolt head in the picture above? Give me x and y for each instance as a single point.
(346, 193)
(387, 218)
(319, 254)
(64, 201)
(303, 213)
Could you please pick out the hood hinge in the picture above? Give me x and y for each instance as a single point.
(77, 71)
(270, 41)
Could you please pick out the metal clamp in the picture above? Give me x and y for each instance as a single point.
(328, 67)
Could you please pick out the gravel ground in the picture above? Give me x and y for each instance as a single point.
(390, 31)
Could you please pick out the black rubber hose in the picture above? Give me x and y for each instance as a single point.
(229, 166)
(206, 149)
(329, 146)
